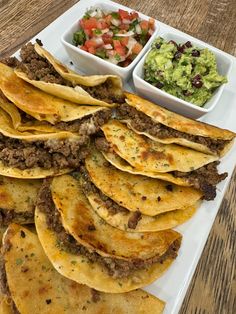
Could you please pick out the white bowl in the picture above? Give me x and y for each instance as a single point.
(171, 102)
(91, 64)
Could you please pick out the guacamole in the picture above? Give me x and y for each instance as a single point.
(182, 70)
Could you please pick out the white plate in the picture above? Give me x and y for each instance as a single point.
(172, 286)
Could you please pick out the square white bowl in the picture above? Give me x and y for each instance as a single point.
(171, 102)
(91, 64)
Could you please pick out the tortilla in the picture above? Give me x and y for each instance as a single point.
(17, 200)
(180, 123)
(123, 165)
(7, 129)
(5, 307)
(77, 93)
(79, 269)
(138, 193)
(78, 218)
(159, 222)
(39, 104)
(11, 110)
(41, 289)
(147, 155)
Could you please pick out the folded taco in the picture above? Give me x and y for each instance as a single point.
(31, 284)
(123, 219)
(86, 249)
(135, 192)
(39, 104)
(39, 68)
(38, 155)
(131, 152)
(168, 127)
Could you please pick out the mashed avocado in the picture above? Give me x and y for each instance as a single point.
(182, 70)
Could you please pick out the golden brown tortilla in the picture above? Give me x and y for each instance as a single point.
(75, 94)
(120, 220)
(37, 103)
(80, 220)
(175, 121)
(138, 193)
(79, 269)
(36, 287)
(147, 155)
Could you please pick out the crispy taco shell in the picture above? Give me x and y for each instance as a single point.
(80, 220)
(180, 123)
(37, 103)
(123, 165)
(138, 193)
(147, 155)
(121, 219)
(76, 93)
(79, 269)
(41, 289)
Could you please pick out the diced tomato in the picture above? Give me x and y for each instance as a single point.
(137, 48)
(151, 23)
(116, 44)
(108, 19)
(102, 25)
(89, 32)
(92, 50)
(90, 43)
(144, 25)
(134, 15)
(124, 15)
(124, 26)
(124, 41)
(90, 23)
(107, 39)
(83, 48)
(121, 51)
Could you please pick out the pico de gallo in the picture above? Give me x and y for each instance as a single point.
(117, 37)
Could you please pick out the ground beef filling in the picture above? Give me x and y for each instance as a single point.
(142, 123)
(116, 268)
(4, 288)
(39, 69)
(205, 178)
(9, 216)
(57, 154)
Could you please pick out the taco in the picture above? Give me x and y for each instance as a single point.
(145, 154)
(134, 192)
(78, 242)
(167, 127)
(17, 200)
(123, 219)
(38, 104)
(39, 68)
(37, 155)
(32, 285)
(204, 179)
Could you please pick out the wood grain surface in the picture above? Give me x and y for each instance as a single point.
(213, 288)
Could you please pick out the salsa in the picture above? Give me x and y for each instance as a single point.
(183, 70)
(117, 37)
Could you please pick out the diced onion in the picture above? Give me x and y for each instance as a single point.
(151, 31)
(130, 33)
(92, 14)
(138, 29)
(115, 22)
(106, 30)
(98, 41)
(110, 33)
(126, 21)
(108, 46)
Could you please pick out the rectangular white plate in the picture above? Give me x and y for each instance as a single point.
(173, 285)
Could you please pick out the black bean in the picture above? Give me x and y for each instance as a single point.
(195, 53)
(188, 44)
(177, 55)
(159, 85)
(173, 42)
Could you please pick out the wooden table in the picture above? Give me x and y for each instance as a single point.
(213, 287)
